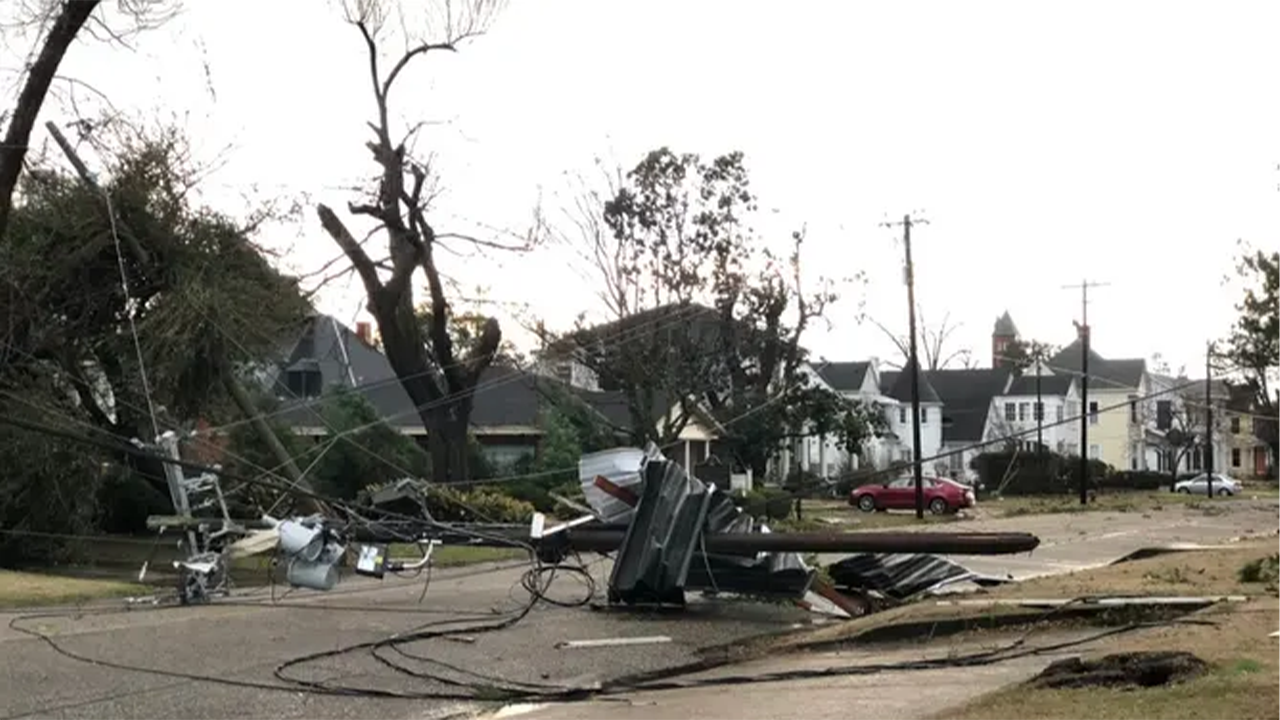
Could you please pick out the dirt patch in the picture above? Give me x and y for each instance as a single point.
(1133, 669)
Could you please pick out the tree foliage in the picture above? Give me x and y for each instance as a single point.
(1021, 354)
(1254, 345)
(195, 288)
(708, 317)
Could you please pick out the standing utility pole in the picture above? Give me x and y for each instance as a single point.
(1084, 385)
(1208, 418)
(913, 363)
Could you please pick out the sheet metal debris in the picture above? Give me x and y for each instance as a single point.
(900, 576)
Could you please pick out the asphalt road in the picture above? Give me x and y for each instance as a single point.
(246, 641)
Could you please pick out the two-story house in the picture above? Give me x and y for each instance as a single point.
(1038, 399)
(967, 405)
(896, 386)
(1247, 454)
(1118, 422)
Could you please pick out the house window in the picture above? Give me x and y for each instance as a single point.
(1164, 414)
(1235, 425)
(1010, 412)
(1235, 457)
(1062, 445)
(1194, 461)
(924, 415)
(1135, 453)
(303, 383)
(1095, 452)
(902, 415)
(906, 455)
(956, 461)
(1039, 411)
(1093, 412)
(1061, 414)
(1133, 408)
(1072, 408)
(1022, 411)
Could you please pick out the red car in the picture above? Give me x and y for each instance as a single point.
(941, 496)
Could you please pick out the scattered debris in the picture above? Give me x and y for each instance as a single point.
(900, 576)
(613, 642)
(1133, 669)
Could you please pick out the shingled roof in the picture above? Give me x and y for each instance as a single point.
(897, 385)
(966, 398)
(1049, 385)
(843, 376)
(1104, 374)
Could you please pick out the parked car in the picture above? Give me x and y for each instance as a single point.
(940, 495)
(1199, 485)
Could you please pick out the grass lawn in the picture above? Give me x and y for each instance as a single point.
(25, 589)
(1136, 501)
(1244, 659)
(1242, 682)
(456, 555)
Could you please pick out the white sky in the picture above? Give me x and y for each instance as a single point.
(1131, 143)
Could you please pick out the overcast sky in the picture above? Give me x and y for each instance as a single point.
(1131, 143)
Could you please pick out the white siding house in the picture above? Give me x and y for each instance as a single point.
(1014, 412)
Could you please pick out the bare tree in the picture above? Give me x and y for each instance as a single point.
(58, 23)
(935, 344)
(439, 377)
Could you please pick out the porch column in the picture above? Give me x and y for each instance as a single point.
(688, 458)
(822, 455)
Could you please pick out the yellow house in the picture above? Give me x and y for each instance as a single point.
(1117, 413)
(1246, 454)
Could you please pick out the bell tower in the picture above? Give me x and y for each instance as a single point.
(1002, 336)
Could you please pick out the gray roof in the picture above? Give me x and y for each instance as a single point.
(897, 385)
(966, 398)
(1004, 326)
(1049, 385)
(843, 376)
(505, 396)
(1103, 374)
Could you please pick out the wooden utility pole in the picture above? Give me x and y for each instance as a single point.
(1083, 327)
(913, 363)
(1208, 418)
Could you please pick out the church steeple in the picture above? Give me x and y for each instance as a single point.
(1002, 336)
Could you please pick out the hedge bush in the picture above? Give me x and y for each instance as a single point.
(1035, 474)
(1136, 480)
(770, 504)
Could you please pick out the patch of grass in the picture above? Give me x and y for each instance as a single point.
(1242, 683)
(458, 555)
(1265, 570)
(26, 589)
(1124, 502)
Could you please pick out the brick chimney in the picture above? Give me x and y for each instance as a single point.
(364, 331)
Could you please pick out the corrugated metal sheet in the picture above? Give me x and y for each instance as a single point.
(901, 575)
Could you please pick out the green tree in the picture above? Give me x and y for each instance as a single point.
(364, 449)
(198, 295)
(707, 313)
(1254, 345)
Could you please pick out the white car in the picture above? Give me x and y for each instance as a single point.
(1199, 485)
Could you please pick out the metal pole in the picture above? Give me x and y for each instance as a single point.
(1208, 418)
(913, 361)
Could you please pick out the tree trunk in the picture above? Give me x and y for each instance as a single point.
(447, 442)
(13, 149)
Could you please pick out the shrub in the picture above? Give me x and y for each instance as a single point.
(1028, 473)
(480, 505)
(1134, 480)
(771, 504)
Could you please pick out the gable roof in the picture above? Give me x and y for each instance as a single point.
(966, 399)
(843, 376)
(897, 385)
(505, 396)
(1104, 374)
(1049, 385)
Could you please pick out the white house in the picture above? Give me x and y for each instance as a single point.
(895, 387)
(1016, 411)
